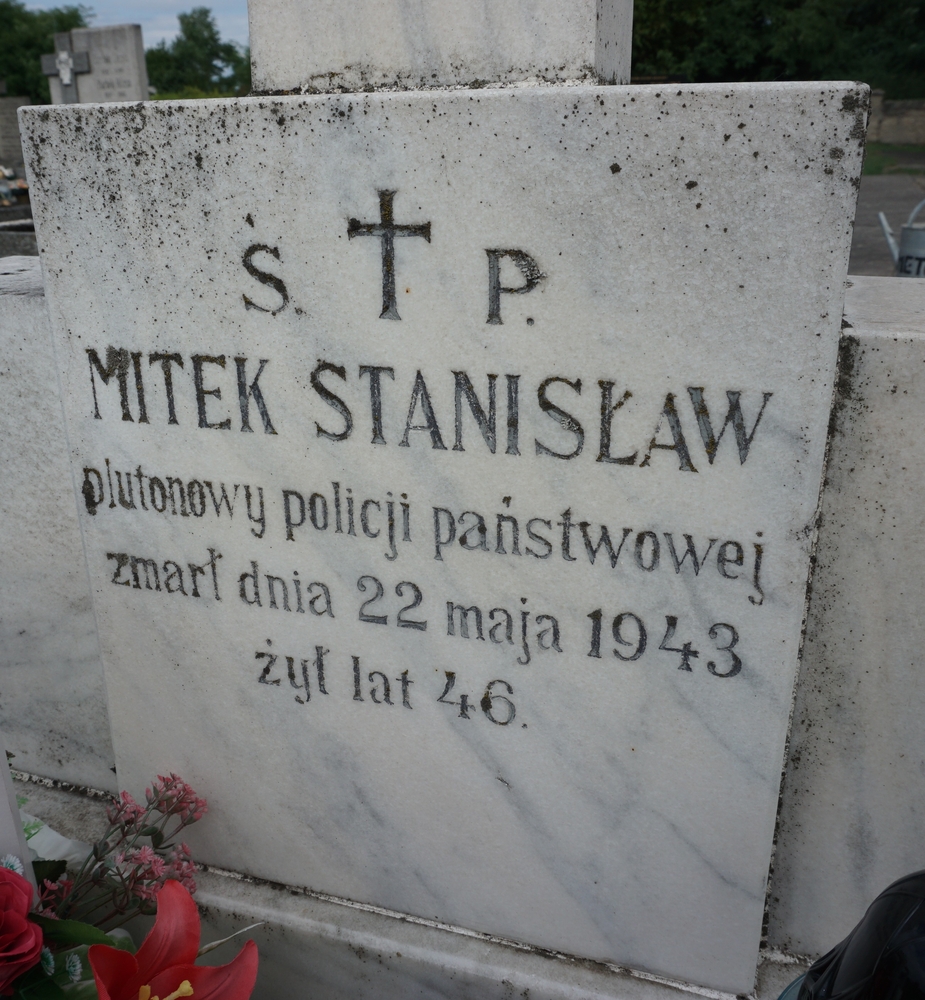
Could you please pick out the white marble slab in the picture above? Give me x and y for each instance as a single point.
(679, 239)
(851, 819)
(52, 703)
(327, 45)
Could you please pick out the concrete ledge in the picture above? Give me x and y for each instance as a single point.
(892, 307)
(18, 237)
(338, 951)
(21, 275)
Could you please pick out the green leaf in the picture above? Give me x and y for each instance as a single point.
(72, 932)
(148, 831)
(157, 838)
(84, 990)
(120, 938)
(51, 870)
(35, 985)
(31, 828)
(47, 990)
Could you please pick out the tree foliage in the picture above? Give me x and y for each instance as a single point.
(881, 42)
(197, 62)
(25, 35)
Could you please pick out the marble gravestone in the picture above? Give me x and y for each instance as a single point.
(97, 65)
(448, 497)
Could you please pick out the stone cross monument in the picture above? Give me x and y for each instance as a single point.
(65, 64)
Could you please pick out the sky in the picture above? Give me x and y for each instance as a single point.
(158, 18)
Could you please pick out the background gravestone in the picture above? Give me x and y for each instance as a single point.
(113, 68)
(10, 146)
(449, 499)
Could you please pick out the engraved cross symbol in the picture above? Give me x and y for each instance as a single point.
(386, 229)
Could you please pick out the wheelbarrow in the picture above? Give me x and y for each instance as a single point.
(909, 253)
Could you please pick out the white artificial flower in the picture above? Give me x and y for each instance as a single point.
(74, 968)
(12, 862)
(48, 962)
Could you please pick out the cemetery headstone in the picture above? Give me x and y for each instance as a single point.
(10, 146)
(97, 65)
(448, 496)
(62, 68)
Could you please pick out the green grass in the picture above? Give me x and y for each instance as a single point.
(883, 158)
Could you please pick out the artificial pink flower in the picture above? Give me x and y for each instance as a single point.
(125, 811)
(172, 795)
(180, 867)
(143, 856)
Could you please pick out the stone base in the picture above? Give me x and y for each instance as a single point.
(334, 949)
(17, 244)
(53, 713)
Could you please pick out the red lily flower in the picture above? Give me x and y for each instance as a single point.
(163, 968)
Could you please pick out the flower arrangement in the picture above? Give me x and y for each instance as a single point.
(68, 943)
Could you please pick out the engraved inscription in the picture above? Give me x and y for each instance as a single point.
(600, 417)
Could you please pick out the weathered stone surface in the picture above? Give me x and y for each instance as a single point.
(682, 254)
(327, 45)
(851, 819)
(52, 704)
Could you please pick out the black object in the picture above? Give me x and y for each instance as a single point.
(883, 958)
